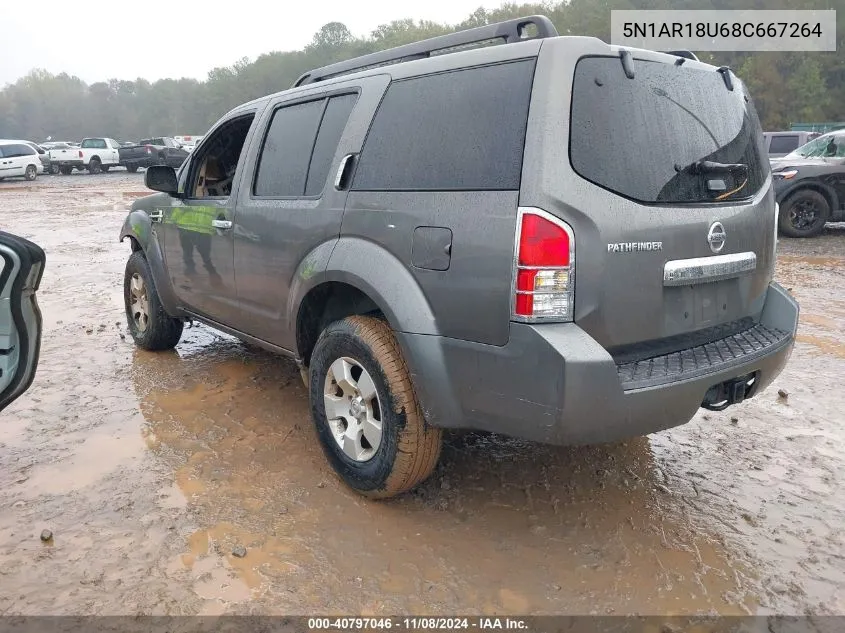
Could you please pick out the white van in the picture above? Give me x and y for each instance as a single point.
(19, 159)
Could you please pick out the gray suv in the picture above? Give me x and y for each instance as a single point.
(553, 239)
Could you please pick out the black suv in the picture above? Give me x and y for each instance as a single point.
(810, 185)
(532, 239)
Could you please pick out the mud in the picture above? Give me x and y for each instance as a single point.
(150, 469)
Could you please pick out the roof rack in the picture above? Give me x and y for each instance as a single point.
(684, 54)
(516, 30)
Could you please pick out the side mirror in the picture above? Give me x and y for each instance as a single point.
(161, 178)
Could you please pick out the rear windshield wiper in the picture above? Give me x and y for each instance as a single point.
(711, 167)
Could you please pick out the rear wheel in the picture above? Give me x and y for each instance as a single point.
(94, 166)
(104, 168)
(67, 171)
(54, 169)
(366, 413)
(31, 172)
(804, 214)
(150, 326)
(132, 168)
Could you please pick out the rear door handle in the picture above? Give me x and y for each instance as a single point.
(221, 224)
(156, 216)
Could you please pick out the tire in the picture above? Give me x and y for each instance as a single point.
(67, 171)
(94, 166)
(804, 214)
(31, 172)
(406, 451)
(132, 168)
(104, 168)
(55, 169)
(150, 326)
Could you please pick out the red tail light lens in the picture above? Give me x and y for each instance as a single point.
(544, 279)
(80, 154)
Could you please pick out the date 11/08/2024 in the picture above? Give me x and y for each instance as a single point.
(417, 624)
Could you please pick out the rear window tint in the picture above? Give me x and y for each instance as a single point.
(13, 150)
(94, 143)
(642, 137)
(460, 130)
(283, 165)
(783, 144)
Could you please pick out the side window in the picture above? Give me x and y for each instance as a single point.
(283, 163)
(300, 146)
(213, 170)
(460, 130)
(14, 151)
(331, 129)
(783, 144)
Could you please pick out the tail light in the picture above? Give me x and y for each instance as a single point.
(544, 271)
(149, 149)
(80, 154)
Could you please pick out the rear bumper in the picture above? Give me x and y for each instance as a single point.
(69, 163)
(555, 384)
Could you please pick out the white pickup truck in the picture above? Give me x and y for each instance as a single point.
(94, 154)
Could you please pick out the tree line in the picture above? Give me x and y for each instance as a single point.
(787, 86)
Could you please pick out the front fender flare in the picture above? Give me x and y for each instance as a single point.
(138, 227)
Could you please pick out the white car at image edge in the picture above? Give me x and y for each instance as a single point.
(19, 159)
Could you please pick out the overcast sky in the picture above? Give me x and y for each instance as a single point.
(182, 38)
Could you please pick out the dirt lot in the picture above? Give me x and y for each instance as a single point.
(150, 468)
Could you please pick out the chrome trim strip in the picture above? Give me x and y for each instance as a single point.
(685, 272)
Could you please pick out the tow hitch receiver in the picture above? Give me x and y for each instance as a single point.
(720, 397)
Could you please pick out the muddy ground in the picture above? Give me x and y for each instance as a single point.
(150, 468)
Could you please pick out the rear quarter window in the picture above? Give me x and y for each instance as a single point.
(458, 130)
(640, 137)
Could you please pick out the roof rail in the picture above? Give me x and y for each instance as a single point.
(511, 31)
(684, 54)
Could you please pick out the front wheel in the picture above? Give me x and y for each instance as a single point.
(31, 172)
(804, 214)
(150, 326)
(368, 419)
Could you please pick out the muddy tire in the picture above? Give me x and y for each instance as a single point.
(104, 168)
(132, 169)
(67, 171)
(375, 435)
(31, 172)
(94, 166)
(150, 326)
(804, 214)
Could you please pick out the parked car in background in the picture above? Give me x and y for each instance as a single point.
(161, 150)
(99, 154)
(19, 159)
(810, 185)
(43, 156)
(64, 158)
(94, 154)
(782, 143)
(189, 142)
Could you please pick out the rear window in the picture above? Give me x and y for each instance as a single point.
(460, 130)
(645, 138)
(94, 143)
(783, 144)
